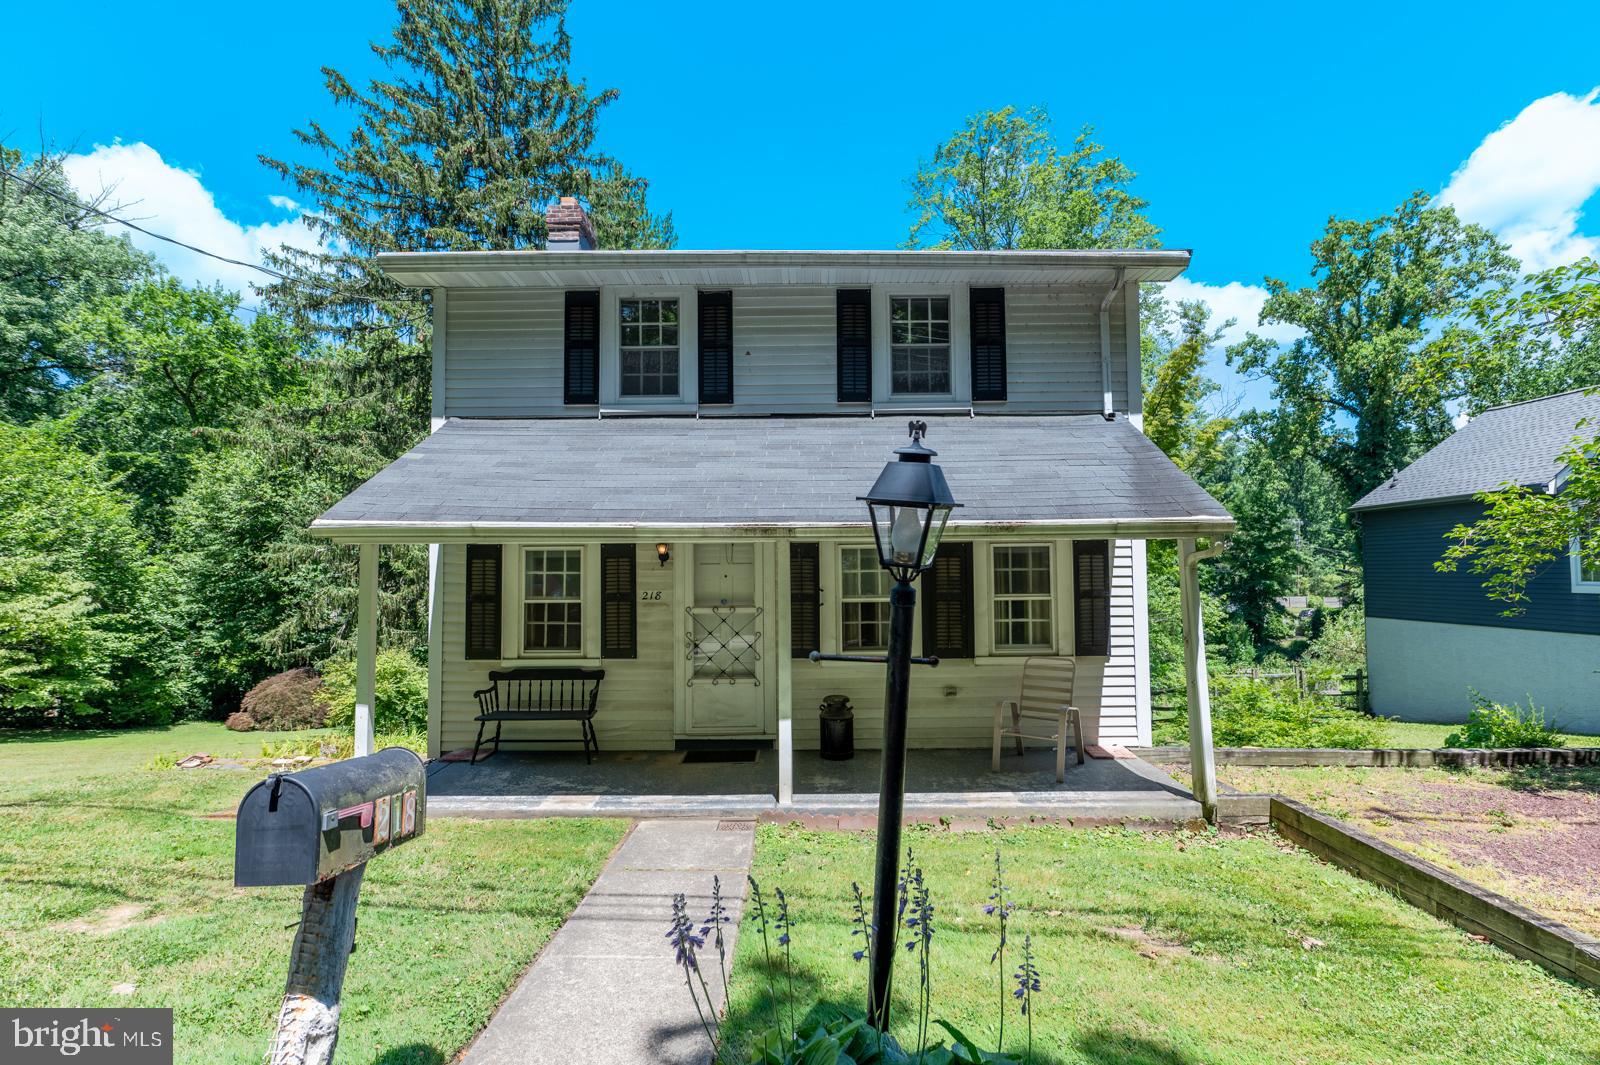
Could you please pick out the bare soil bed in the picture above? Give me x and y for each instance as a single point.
(1531, 834)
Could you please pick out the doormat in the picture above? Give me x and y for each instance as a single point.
(702, 757)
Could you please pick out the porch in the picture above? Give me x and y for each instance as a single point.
(938, 782)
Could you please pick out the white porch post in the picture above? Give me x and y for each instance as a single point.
(435, 650)
(785, 681)
(366, 646)
(1202, 760)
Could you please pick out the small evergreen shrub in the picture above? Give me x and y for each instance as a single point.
(1492, 724)
(400, 697)
(283, 702)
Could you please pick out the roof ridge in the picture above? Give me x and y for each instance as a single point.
(1594, 388)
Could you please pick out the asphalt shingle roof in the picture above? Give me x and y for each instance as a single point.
(766, 471)
(1515, 444)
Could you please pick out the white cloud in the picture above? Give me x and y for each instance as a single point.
(1529, 179)
(173, 202)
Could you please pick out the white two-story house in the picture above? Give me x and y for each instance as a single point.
(648, 462)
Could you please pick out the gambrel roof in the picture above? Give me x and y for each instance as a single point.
(1519, 443)
(485, 479)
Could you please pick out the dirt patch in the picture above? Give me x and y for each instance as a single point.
(1148, 944)
(112, 919)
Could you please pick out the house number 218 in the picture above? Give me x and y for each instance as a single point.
(650, 597)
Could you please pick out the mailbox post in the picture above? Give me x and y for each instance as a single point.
(318, 828)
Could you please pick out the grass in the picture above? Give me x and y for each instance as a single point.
(116, 875)
(1171, 950)
(1403, 734)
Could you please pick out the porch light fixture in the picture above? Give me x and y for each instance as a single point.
(909, 505)
(664, 553)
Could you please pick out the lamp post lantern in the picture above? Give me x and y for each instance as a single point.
(909, 504)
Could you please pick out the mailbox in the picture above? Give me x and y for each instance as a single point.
(302, 828)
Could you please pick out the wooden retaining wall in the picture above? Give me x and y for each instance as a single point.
(1505, 758)
(1516, 929)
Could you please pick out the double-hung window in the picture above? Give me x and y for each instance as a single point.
(1585, 578)
(863, 600)
(1023, 602)
(648, 347)
(552, 600)
(919, 345)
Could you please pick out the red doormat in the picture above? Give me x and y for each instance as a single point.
(461, 754)
(1109, 750)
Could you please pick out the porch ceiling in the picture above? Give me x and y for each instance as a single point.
(572, 269)
(682, 478)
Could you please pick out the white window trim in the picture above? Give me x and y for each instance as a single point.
(960, 394)
(983, 593)
(1579, 585)
(688, 348)
(588, 653)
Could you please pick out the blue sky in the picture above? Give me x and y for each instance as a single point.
(797, 125)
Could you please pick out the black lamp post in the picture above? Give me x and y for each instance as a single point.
(909, 504)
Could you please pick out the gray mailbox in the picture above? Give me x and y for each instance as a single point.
(305, 827)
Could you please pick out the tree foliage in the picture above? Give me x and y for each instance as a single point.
(1532, 339)
(54, 259)
(1364, 391)
(1000, 182)
(1175, 418)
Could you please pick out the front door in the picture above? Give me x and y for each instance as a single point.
(725, 628)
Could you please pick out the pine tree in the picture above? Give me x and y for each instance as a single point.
(479, 126)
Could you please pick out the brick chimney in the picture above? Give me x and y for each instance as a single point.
(569, 226)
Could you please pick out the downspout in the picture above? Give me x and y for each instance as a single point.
(1107, 409)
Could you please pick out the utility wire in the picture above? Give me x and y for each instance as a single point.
(80, 205)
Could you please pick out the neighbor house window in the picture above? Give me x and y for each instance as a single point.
(919, 345)
(863, 600)
(648, 343)
(552, 599)
(1585, 578)
(1022, 599)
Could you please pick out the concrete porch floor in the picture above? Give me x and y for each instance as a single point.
(659, 784)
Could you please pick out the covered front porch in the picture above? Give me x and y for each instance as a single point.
(552, 509)
(942, 782)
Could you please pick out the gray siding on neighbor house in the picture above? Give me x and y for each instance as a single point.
(1399, 548)
(503, 351)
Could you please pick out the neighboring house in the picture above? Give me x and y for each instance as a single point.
(649, 462)
(1431, 636)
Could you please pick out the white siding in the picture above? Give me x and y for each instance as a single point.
(503, 351)
(637, 696)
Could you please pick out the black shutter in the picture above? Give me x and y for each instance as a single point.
(716, 347)
(947, 603)
(1091, 597)
(988, 316)
(805, 600)
(619, 601)
(582, 363)
(483, 601)
(855, 345)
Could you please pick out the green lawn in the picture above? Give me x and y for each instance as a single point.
(112, 874)
(1173, 950)
(1425, 736)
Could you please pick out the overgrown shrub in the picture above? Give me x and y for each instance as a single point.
(283, 702)
(239, 721)
(1258, 713)
(400, 698)
(1492, 724)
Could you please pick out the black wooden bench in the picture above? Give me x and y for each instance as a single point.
(540, 693)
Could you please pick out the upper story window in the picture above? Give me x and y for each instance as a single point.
(552, 600)
(919, 345)
(648, 347)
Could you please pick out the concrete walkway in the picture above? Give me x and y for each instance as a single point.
(606, 989)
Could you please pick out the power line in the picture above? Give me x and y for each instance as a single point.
(80, 205)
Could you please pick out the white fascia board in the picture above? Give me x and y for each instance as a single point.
(357, 532)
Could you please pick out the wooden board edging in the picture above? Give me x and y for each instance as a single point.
(1514, 928)
(1421, 758)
